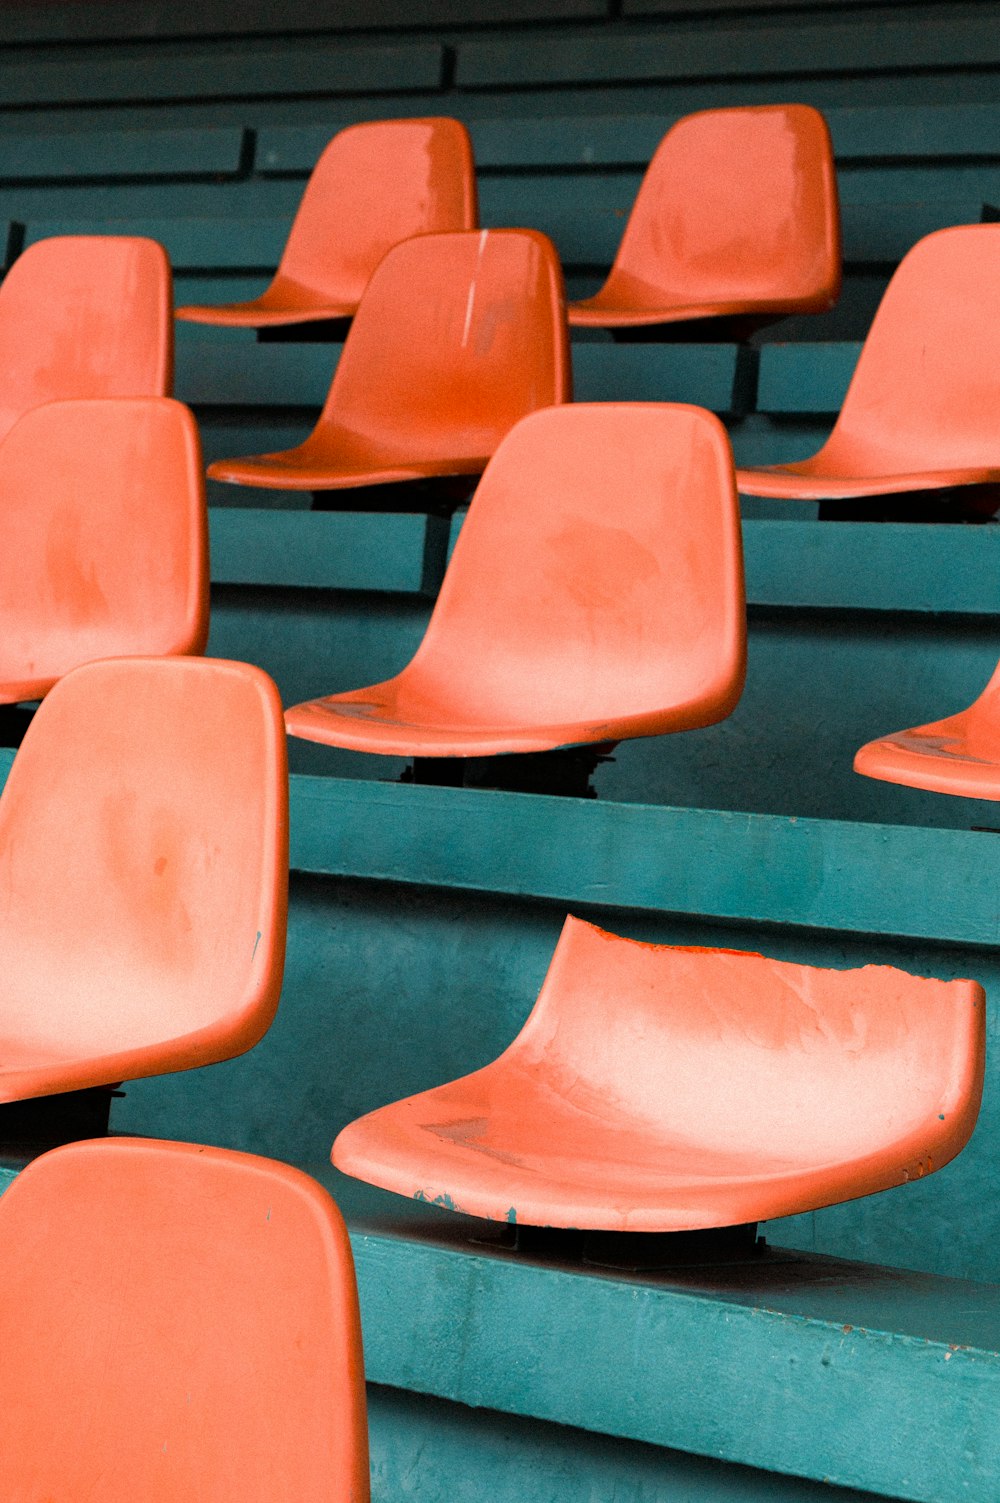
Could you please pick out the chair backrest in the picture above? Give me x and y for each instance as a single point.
(85, 316)
(456, 338)
(739, 204)
(926, 389)
(744, 1053)
(177, 1323)
(143, 873)
(105, 538)
(598, 575)
(375, 184)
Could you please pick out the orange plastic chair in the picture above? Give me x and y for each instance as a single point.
(596, 592)
(456, 338)
(920, 412)
(177, 1323)
(736, 217)
(375, 184)
(960, 754)
(85, 316)
(105, 538)
(655, 1089)
(143, 867)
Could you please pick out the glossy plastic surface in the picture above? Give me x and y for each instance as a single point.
(737, 214)
(105, 538)
(85, 316)
(960, 754)
(178, 1323)
(143, 874)
(375, 184)
(662, 1089)
(457, 337)
(595, 592)
(920, 412)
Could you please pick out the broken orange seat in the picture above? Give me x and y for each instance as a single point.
(736, 216)
(595, 593)
(375, 184)
(655, 1089)
(920, 411)
(182, 1319)
(105, 538)
(85, 316)
(960, 754)
(143, 867)
(456, 338)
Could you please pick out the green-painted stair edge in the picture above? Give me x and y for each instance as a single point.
(835, 875)
(815, 1372)
(898, 880)
(887, 567)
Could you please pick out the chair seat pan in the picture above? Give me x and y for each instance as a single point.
(596, 313)
(14, 691)
(941, 757)
(365, 724)
(800, 482)
(285, 301)
(546, 1162)
(31, 1068)
(307, 468)
(257, 314)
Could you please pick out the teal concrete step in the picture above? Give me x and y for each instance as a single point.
(805, 378)
(691, 10)
(848, 1374)
(720, 51)
(436, 1452)
(209, 373)
(813, 874)
(62, 155)
(915, 568)
(620, 123)
(398, 553)
(868, 133)
(119, 206)
(154, 21)
(205, 243)
(319, 67)
(810, 873)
